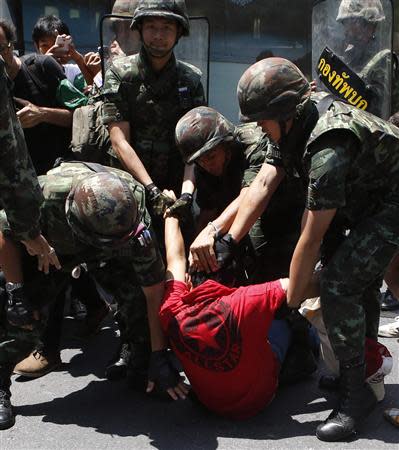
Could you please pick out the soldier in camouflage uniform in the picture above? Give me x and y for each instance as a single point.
(349, 160)
(122, 43)
(362, 53)
(21, 198)
(227, 159)
(92, 218)
(146, 94)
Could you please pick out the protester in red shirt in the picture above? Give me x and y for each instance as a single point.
(220, 334)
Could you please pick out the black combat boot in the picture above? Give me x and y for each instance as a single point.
(7, 418)
(356, 402)
(117, 367)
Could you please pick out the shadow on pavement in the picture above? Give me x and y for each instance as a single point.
(113, 409)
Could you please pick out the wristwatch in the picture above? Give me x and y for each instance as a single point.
(10, 287)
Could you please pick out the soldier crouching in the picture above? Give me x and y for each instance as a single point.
(92, 215)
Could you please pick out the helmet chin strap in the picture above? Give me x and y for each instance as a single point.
(283, 129)
(157, 54)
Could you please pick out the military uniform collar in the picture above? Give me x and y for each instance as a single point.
(147, 73)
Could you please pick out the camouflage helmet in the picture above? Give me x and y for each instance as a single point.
(369, 10)
(125, 7)
(201, 130)
(102, 211)
(273, 88)
(167, 9)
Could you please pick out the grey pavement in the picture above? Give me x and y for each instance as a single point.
(76, 408)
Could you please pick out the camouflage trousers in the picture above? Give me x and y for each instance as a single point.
(351, 280)
(272, 253)
(43, 290)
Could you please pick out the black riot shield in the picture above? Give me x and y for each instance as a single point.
(118, 40)
(352, 51)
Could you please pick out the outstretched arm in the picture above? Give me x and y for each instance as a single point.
(174, 243)
(306, 254)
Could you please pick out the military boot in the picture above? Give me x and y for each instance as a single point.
(117, 367)
(7, 418)
(357, 400)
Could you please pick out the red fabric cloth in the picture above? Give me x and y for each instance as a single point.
(378, 359)
(220, 336)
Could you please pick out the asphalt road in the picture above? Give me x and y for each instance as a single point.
(76, 408)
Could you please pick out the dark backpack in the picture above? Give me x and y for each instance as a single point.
(90, 137)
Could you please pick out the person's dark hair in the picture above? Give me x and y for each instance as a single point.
(225, 276)
(229, 273)
(394, 119)
(9, 30)
(48, 26)
(264, 54)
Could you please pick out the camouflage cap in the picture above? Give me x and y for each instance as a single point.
(102, 210)
(273, 88)
(168, 9)
(125, 7)
(200, 130)
(369, 10)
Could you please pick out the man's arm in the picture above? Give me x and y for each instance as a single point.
(181, 208)
(20, 195)
(20, 192)
(119, 133)
(188, 185)
(31, 115)
(175, 254)
(256, 199)
(154, 295)
(306, 253)
(202, 254)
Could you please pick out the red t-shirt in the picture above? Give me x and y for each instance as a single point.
(220, 336)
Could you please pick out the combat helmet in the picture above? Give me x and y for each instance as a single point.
(273, 88)
(200, 130)
(369, 10)
(102, 211)
(168, 9)
(125, 7)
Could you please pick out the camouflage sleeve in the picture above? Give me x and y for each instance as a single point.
(255, 160)
(274, 156)
(199, 96)
(20, 193)
(378, 82)
(148, 264)
(328, 172)
(116, 108)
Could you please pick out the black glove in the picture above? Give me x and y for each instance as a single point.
(181, 208)
(19, 311)
(162, 371)
(159, 202)
(226, 249)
